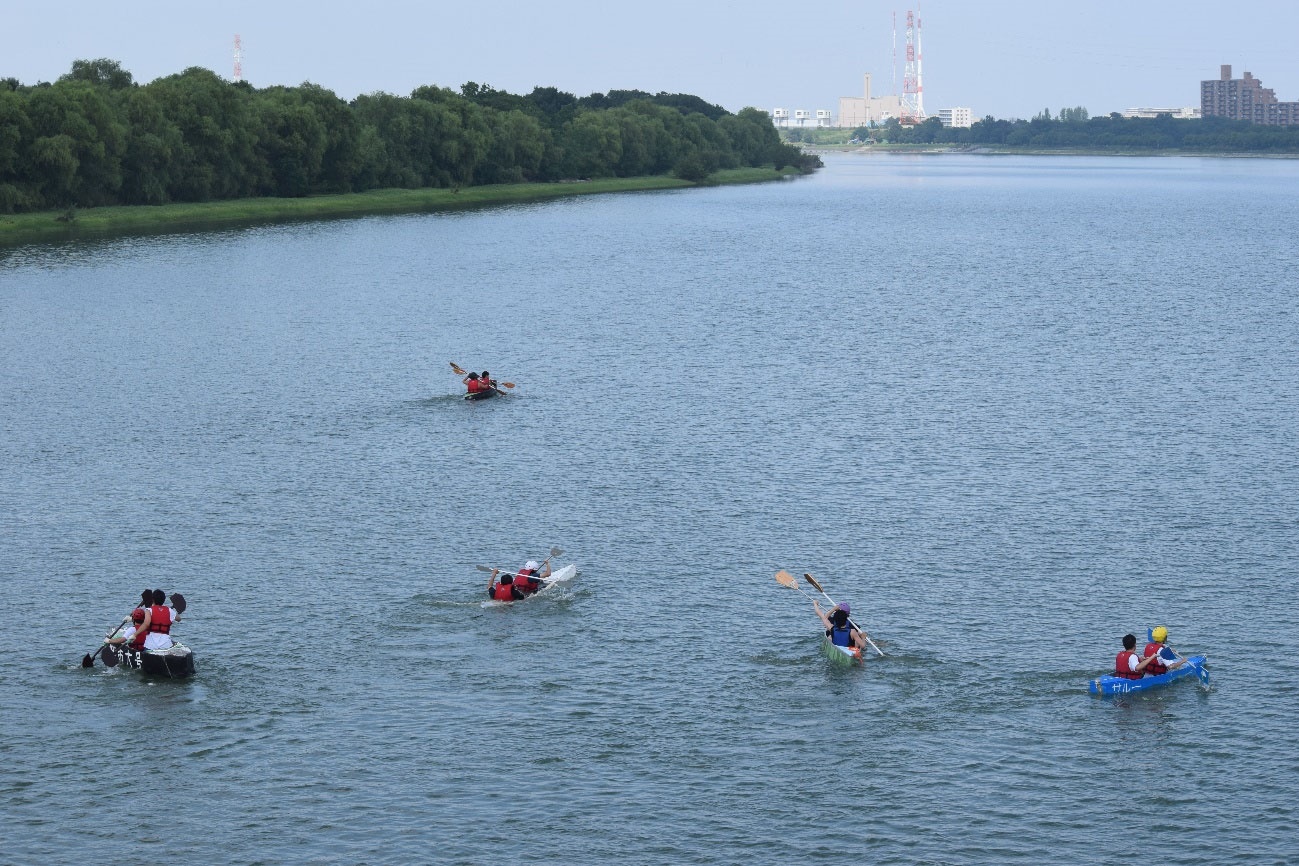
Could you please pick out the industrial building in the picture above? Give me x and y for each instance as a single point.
(1245, 99)
(855, 111)
(867, 110)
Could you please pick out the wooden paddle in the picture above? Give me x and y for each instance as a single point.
(812, 580)
(784, 578)
(89, 660)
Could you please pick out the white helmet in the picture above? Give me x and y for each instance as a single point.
(532, 565)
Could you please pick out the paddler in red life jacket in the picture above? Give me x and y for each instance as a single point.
(505, 590)
(528, 580)
(839, 629)
(486, 383)
(1162, 658)
(1128, 664)
(128, 636)
(155, 632)
(473, 384)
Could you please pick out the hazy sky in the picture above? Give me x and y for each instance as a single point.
(1008, 58)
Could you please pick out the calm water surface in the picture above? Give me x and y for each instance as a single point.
(1009, 408)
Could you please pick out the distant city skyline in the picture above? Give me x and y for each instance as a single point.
(1008, 58)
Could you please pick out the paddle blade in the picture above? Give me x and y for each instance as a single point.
(456, 369)
(178, 602)
(108, 657)
(484, 568)
(784, 578)
(88, 661)
(812, 580)
(1202, 674)
(555, 551)
(507, 384)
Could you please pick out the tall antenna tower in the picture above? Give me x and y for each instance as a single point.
(895, 53)
(239, 59)
(913, 91)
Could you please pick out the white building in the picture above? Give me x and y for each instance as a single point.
(855, 111)
(961, 118)
(824, 118)
(1184, 113)
(780, 116)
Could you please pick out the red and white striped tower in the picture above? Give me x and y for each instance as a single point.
(920, 78)
(912, 90)
(913, 103)
(239, 59)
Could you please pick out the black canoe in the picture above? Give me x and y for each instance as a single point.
(481, 395)
(175, 663)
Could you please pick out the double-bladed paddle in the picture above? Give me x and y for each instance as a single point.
(455, 368)
(554, 551)
(812, 580)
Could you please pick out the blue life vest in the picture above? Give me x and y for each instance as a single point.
(840, 636)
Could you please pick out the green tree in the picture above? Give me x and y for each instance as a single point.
(217, 159)
(103, 71)
(16, 193)
(75, 127)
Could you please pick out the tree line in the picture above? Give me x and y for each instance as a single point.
(96, 137)
(1073, 128)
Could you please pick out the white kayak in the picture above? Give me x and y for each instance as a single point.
(562, 576)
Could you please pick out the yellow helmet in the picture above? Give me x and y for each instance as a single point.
(1160, 634)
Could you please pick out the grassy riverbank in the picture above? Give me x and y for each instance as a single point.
(145, 219)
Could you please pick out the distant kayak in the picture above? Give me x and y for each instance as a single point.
(481, 395)
(564, 575)
(1112, 685)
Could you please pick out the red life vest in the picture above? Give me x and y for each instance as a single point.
(137, 642)
(1121, 665)
(159, 619)
(1156, 666)
(525, 581)
(503, 592)
(474, 386)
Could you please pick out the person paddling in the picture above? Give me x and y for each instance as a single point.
(839, 629)
(486, 383)
(529, 578)
(155, 632)
(1162, 658)
(473, 383)
(128, 634)
(1128, 664)
(504, 590)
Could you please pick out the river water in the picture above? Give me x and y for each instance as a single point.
(1010, 408)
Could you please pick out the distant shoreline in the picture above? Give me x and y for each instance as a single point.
(48, 226)
(991, 150)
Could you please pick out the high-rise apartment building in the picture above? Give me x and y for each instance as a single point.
(1245, 99)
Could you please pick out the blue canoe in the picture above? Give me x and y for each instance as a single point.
(1112, 685)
